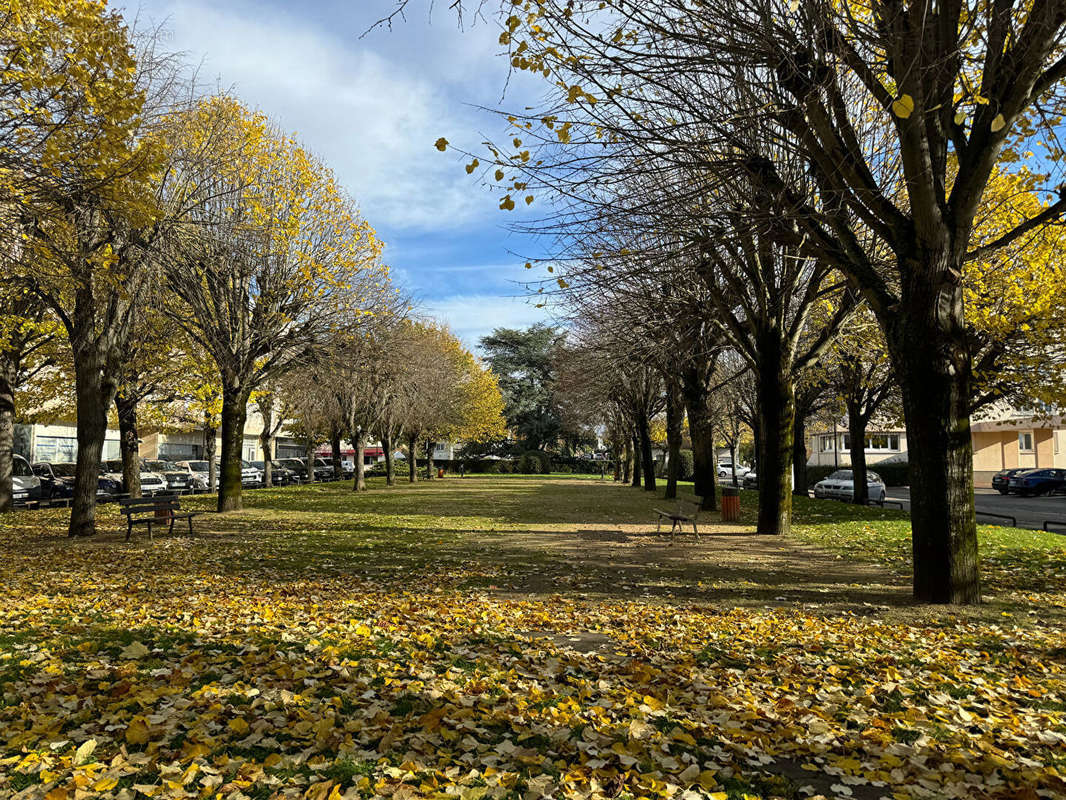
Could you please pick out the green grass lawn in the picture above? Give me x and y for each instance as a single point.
(520, 637)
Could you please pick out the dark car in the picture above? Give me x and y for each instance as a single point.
(280, 475)
(1038, 481)
(751, 481)
(296, 465)
(324, 470)
(57, 480)
(1001, 480)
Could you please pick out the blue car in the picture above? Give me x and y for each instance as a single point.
(1038, 481)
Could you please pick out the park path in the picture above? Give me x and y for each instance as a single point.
(728, 565)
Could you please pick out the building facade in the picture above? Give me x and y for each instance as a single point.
(1005, 439)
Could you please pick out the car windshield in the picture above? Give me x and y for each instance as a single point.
(321, 462)
(873, 477)
(64, 470)
(159, 466)
(20, 468)
(257, 464)
(198, 466)
(841, 475)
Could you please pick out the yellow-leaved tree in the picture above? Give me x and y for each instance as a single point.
(1016, 301)
(267, 268)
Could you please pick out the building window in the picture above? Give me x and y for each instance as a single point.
(56, 448)
(176, 451)
(827, 444)
(882, 441)
(1025, 442)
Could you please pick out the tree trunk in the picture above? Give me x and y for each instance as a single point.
(675, 413)
(266, 442)
(359, 444)
(647, 467)
(7, 434)
(927, 342)
(386, 447)
(616, 452)
(94, 398)
(429, 460)
(210, 448)
(129, 444)
(309, 457)
(335, 454)
(636, 462)
(701, 431)
(412, 441)
(627, 463)
(777, 411)
(234, 414)
(799, 454)
(857, 450)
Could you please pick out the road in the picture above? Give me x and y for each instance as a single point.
(1030, 512)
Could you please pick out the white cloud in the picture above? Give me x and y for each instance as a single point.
(371, 109)
(472, 316)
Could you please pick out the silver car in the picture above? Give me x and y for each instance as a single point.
(25, 486)
(841, 486)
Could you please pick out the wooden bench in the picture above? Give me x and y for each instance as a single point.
(158, 510)
(687, 512)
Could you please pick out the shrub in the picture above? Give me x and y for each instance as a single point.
(565, 469)
(528, 464)
(688, 466)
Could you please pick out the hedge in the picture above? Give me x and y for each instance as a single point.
(895, 474)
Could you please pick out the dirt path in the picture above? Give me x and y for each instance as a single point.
(728, 564)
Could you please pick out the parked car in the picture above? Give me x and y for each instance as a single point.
(106, 488)
(25, 486)
(280, 475)
(725, 470)
(178, 480)
(57, 480)
(841, 486)
(151, 483)
(250, 476)
(296, 466)
(1001, 480)
(1030, 482)
(198, 471)
(324, 470)
(751, 481)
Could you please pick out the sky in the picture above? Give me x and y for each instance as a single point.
(372, 104)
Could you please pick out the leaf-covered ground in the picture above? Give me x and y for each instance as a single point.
(520, 638)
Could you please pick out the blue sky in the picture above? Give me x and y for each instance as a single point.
(372, 106)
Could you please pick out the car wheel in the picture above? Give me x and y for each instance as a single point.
(1003, 491)
(882, 499)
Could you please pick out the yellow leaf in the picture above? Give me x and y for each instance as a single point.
(998, 123)
(238, 726)
(137, 732)
(58, 793)
(441, 144)
(472, 166)
(82, 754)
(903, 107)
(499, 174)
